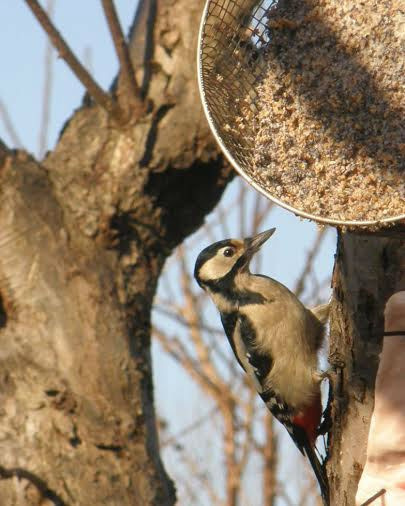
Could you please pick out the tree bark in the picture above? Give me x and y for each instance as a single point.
(368, 269)
(83, 238)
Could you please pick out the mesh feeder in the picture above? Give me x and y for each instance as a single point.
(304, 98)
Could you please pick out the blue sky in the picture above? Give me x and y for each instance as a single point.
(21, 89)
(22, 53)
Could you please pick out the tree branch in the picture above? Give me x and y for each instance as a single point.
(247, 444)
(121, 48)
(309, 263)
(269, 461)
(99, 95)
(174, 348)
(47, 90)
(172, 439)
(8, 125)
(23, 474)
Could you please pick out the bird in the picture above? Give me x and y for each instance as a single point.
(274, 337)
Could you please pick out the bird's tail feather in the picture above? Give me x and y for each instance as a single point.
(321, 312)
(319, 472)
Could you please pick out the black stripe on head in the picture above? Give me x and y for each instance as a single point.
(226, 286)
(208, 253)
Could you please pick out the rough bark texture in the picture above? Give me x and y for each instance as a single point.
(368, 269)
(83, 238)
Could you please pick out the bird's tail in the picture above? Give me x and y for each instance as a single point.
(319, 472)
(321, 312)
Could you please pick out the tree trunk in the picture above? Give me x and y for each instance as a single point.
(83, 238)
(368, 269)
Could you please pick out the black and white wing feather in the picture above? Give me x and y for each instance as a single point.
(241, 335)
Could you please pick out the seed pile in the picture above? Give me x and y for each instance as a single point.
(329, 137)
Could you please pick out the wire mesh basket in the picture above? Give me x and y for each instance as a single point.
(233, 54)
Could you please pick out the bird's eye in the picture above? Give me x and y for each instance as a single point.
(229, 252)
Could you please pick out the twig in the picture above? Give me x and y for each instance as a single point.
(8, 125)
(190, 495)
(261, 214)
(282, 493)
(201, 476)
(249, 410)
(211, 332)
(374, 497)
(47, 90)
(192, 317)
(99, 95)
(223, 217)
(308, 267)
(173, 347)
(233, 483)
(242, 209)
(88, 58)
(190, 428)
(269, 461)
(308, 490)
(166, 282)
(180, 319)
(121, 48)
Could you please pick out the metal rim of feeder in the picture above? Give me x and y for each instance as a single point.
(236, 165)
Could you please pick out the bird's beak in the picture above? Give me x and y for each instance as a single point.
(253, 244)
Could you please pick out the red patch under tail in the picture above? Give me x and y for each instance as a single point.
(310, 419)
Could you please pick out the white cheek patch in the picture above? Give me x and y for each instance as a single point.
(215, 268)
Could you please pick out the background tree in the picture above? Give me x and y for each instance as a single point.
(245, 443)
(84, 235)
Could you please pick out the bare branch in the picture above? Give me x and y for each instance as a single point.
(211, 332)
(8, 125)
(191, 315)
(99, 95)
(174, 348)
(317, 289)
(88, 58)
(282, 493)
(192, 493)
(47, 90)
(242, 210)
(222, 215)
(190, 428)
(192, 465)
(269, 461)
(262, 214)
(180, 319)
(248, 436)
(233, 483)
(374, 497)
(256, 211)
(121, 48)
(308, 267)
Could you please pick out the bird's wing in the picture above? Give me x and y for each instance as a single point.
(258, 366)
(229, 321)
(239, 333)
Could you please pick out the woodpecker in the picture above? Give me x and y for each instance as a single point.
(274, 337)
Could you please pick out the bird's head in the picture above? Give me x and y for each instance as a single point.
(227, 258)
